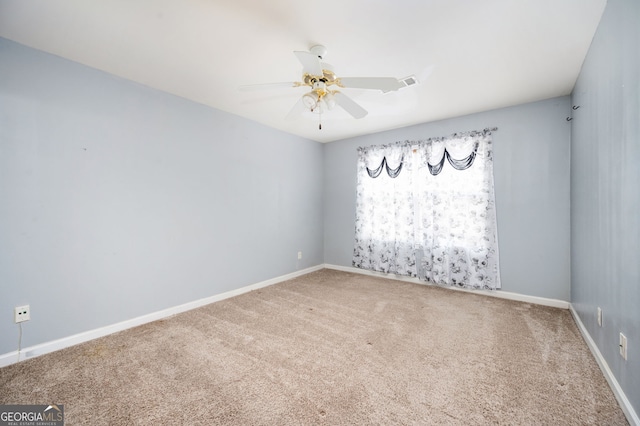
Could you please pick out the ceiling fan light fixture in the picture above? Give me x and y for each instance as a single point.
(321, 107)
(310, 100)
(329, 100)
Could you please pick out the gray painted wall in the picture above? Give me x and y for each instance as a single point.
(531, 172)
(605, 191)
(117, 200)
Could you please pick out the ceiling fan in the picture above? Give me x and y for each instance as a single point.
(321, 78)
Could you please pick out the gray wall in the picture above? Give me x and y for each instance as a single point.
(531, 171)
(605, 191)
(117, 200)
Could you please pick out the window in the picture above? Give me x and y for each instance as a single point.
(427, 209)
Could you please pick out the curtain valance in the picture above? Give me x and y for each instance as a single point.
(459, 149)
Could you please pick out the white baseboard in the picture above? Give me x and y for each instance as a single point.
(556, 303)
(627, 408)
(65, 342)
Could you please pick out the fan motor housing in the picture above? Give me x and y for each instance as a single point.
(328, 77)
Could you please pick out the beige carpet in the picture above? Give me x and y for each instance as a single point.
(330, 348)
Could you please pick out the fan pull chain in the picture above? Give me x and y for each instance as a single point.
(320, 120)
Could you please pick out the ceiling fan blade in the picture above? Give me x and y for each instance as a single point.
(349, 105)
(296, 111)
(310, 62)
(386, 84)
(250, 87)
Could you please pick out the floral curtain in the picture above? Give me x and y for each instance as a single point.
(427, 209)
(385, 205)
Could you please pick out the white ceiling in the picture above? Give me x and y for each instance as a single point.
(469, 55)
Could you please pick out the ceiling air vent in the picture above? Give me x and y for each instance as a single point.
(409, 81)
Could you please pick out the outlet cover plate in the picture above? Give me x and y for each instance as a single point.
(623, 346)
(21, 313)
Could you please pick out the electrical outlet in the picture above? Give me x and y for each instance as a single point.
(299, 255)
(599, 316)
(623, 346)
(21, 314)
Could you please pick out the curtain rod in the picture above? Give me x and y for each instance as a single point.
(471, 132)
(486, 130)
